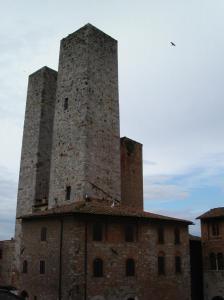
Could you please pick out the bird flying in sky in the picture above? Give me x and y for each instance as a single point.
(172, 44)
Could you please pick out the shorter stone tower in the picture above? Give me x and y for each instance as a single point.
(37, 141)
(131, 174)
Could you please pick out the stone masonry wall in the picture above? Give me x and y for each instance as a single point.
(37, 136)
(34, 175)
(86, 143)
(131, 174)
(113, 250)
(6, 262)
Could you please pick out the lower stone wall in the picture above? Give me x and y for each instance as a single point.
(6, 262)
(213, 284)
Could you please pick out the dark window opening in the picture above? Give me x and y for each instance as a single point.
(177, 236)
(130, 267)
(25, 267)
(215, 229)
(220, 261)
(98, 267)
(161, 265)
(212, 259)
(161, 235)
(178, 264)
(97, 232)
(1, 253)
(66, 104)
(68, 192)
(24, 295)
(42, 267)
(43, 235)
(129, 233)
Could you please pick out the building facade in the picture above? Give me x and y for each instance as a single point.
(81, 232)
(7, 276)
(212, 232)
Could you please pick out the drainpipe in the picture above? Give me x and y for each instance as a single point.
(60, 259)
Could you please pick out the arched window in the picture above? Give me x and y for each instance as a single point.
(43, 234)
(161, 264)
(212, 260)
(97, 232)
(25, 267)
(129, 233)
(220, 261)
(161, 235)
(130, 267)
(177, 236)
(98, 267)
(177, 264)
(215, 228)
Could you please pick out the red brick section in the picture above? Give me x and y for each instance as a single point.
(69, 252)
(131, 173)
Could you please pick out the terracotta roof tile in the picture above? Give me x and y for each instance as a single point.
(213, 213)
(96, 208)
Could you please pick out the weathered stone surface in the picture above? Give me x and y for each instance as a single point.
(86, 142)
(6, 262)
(131, 174)
(37, 141)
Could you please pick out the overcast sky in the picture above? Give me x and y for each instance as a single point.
(171, 98)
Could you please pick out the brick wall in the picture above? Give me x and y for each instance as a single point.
(113, 250)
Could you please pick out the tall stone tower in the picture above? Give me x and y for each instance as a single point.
(37, 141)
(86, 135)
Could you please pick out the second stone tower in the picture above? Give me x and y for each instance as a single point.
(86, 142)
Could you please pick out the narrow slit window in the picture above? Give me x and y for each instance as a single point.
(25, 267)
(97, 232)
(177, 236)
(161, 265)
(66, 104)
(42, 267)
(43, 235)
(215, 229)
(161, 235)
(212, 259)
(129, 233)
(98, 267)
(178, 264)
(68, 193)
(130, 267)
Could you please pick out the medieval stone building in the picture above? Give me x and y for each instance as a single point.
(81, 232)
(212, 232)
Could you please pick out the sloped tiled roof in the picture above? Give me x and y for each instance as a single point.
(217, 212)
(96, 208)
